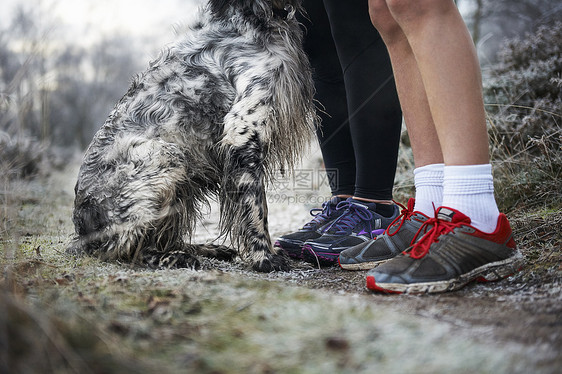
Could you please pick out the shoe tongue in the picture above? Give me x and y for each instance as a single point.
(451, 215)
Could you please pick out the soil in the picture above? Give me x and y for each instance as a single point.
(224, 318)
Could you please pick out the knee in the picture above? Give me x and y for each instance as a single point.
(383, 20)
(407, 12)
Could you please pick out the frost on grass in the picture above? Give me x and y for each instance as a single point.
(79, 314)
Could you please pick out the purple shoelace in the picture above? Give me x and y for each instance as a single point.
(354, 214)
(321, 215)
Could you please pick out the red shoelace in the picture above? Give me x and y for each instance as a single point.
(405, 214)
(437, 227)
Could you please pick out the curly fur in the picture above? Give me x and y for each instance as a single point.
(213, 115)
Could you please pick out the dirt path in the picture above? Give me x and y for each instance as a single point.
(226, 319)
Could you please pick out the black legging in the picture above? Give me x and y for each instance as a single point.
(360, 132)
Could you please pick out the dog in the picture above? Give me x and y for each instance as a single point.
(218, 113)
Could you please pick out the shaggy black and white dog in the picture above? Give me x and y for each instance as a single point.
(215, 114)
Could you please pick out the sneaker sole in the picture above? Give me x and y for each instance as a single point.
(292, 252)
(328, 258)
(319, 258)
(493, 271)
(363, 265)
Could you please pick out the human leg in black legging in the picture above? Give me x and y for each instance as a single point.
(360, 127)
(363, 134)
(334, 134)
(374, 109)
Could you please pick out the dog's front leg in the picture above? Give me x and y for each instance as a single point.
(244, 212)
(243, 200)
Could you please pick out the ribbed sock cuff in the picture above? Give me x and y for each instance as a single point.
(470, 189)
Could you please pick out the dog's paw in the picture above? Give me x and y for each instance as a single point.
(178, 260)
(272, 263)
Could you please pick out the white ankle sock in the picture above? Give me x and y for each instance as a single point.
(470, 190)
(428, 181)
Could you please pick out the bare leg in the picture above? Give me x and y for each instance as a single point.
(449, 69)
(411, 90)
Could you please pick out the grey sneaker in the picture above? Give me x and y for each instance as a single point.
(395, 239)
(451, 254)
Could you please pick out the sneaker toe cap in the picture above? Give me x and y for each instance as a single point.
(299, 236)
(393, 268)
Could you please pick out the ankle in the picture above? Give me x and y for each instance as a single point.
(383, 207)
(470, 189)
(387, 202)
(343, 196)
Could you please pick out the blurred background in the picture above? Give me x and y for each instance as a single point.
(64, 63)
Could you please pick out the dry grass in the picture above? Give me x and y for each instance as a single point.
(77, 315)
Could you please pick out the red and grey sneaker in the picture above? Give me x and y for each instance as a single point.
(395, 239)
(292, 243)
(450, 254)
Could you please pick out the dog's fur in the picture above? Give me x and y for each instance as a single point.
(215, 114)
